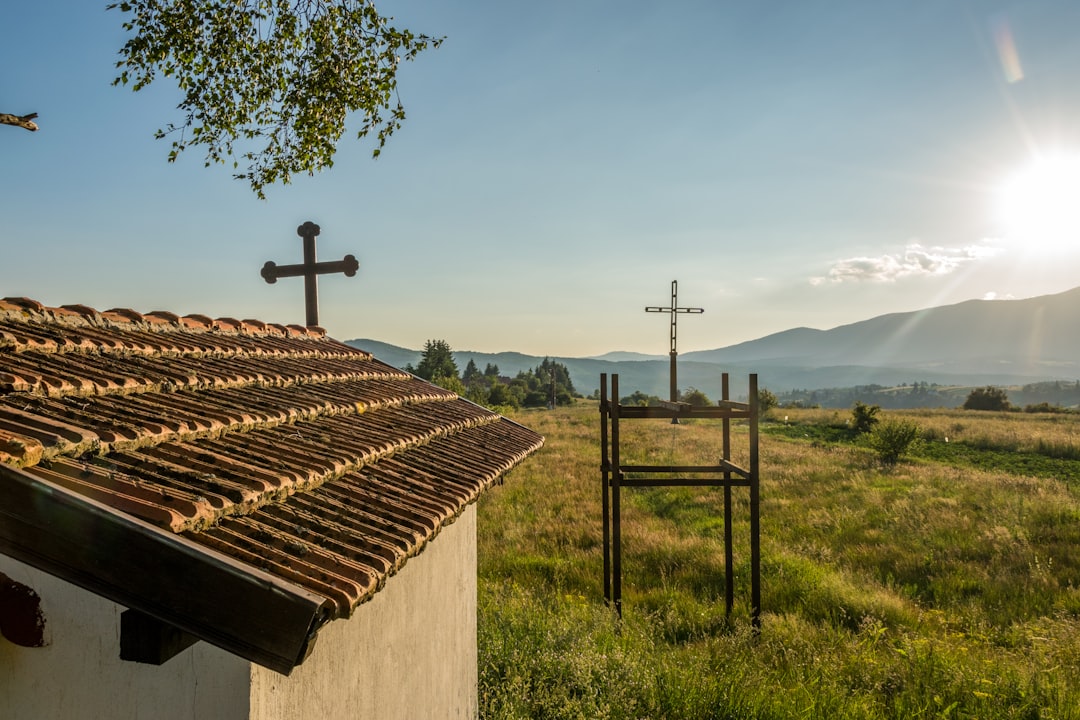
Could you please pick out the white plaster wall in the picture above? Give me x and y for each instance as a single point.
(408, 654)
(79, 674)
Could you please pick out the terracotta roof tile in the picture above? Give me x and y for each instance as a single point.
(274, 445)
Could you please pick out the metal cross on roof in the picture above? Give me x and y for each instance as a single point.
(310, 269)
(675, 310)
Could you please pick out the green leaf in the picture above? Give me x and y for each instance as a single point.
(270, 82)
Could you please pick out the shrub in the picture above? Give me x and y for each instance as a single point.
(987, 398)
(766, 401)
(864, 417)
(1044, 407)
(892, 439)
(640, 398)
(696, 398)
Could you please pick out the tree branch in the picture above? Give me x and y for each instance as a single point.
(23, 121)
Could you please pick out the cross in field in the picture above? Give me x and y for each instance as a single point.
(310, 270)
(674, 310)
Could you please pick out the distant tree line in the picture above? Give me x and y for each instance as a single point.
(545, 385)
(766, 399)
(1050, 396)
(915, 395)
(1035, 397)
(1052, 393)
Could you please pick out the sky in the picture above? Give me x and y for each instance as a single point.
(790, 164)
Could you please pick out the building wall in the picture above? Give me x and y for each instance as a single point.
(79, 674)
(408, 653)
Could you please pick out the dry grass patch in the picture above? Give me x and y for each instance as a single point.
(927, 590)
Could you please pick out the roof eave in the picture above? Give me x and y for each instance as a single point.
(209, 595)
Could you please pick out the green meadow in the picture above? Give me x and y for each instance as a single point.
(944, 586)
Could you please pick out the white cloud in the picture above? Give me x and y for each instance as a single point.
(915, 260)
(993, 295)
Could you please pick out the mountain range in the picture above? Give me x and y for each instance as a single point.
(977, 342)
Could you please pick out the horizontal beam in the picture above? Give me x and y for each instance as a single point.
(144, 639)
(721, 467)
(682, 482)
(634, 412)
(271, 271)
(694, 311)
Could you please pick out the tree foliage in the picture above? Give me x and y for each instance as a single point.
(530, 388)
(917, 394)
(987, 398)
(640, 399)
(695, 397)
(471, 373)
(864, 417)
(269, 83)
(766, 400)
(436, 361)
(545, 385)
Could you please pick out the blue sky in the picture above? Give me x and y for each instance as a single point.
(789, 163)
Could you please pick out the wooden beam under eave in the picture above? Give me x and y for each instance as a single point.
(144, 639)
(211, 596)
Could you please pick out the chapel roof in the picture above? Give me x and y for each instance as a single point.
(244, 482)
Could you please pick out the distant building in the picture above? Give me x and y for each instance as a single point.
(225, 519)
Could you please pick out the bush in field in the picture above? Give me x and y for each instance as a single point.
(864, 417)
(696, 398)
(892, 439)
(766, 401)
(641, 399)
(987, 398)
(1044, 407)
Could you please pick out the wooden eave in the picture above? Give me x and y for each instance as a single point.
(164, 575)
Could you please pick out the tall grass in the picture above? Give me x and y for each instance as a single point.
(928, 590)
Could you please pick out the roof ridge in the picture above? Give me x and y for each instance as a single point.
(27, 310)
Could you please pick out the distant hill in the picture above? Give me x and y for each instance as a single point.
(979, 342)
(1035, 337)
(622, 355)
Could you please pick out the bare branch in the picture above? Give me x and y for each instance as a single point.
(23, 121)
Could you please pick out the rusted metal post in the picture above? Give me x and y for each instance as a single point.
(309, 231)
(729, 556)
(755, 509)
(605, 474)
(616, 482)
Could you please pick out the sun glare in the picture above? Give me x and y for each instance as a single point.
(1040, 205)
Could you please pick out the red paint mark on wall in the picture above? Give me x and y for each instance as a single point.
(21, 619)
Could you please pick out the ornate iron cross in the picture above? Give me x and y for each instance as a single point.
(675, 310)
(310, 270)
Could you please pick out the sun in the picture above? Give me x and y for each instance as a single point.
(1039, 206)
